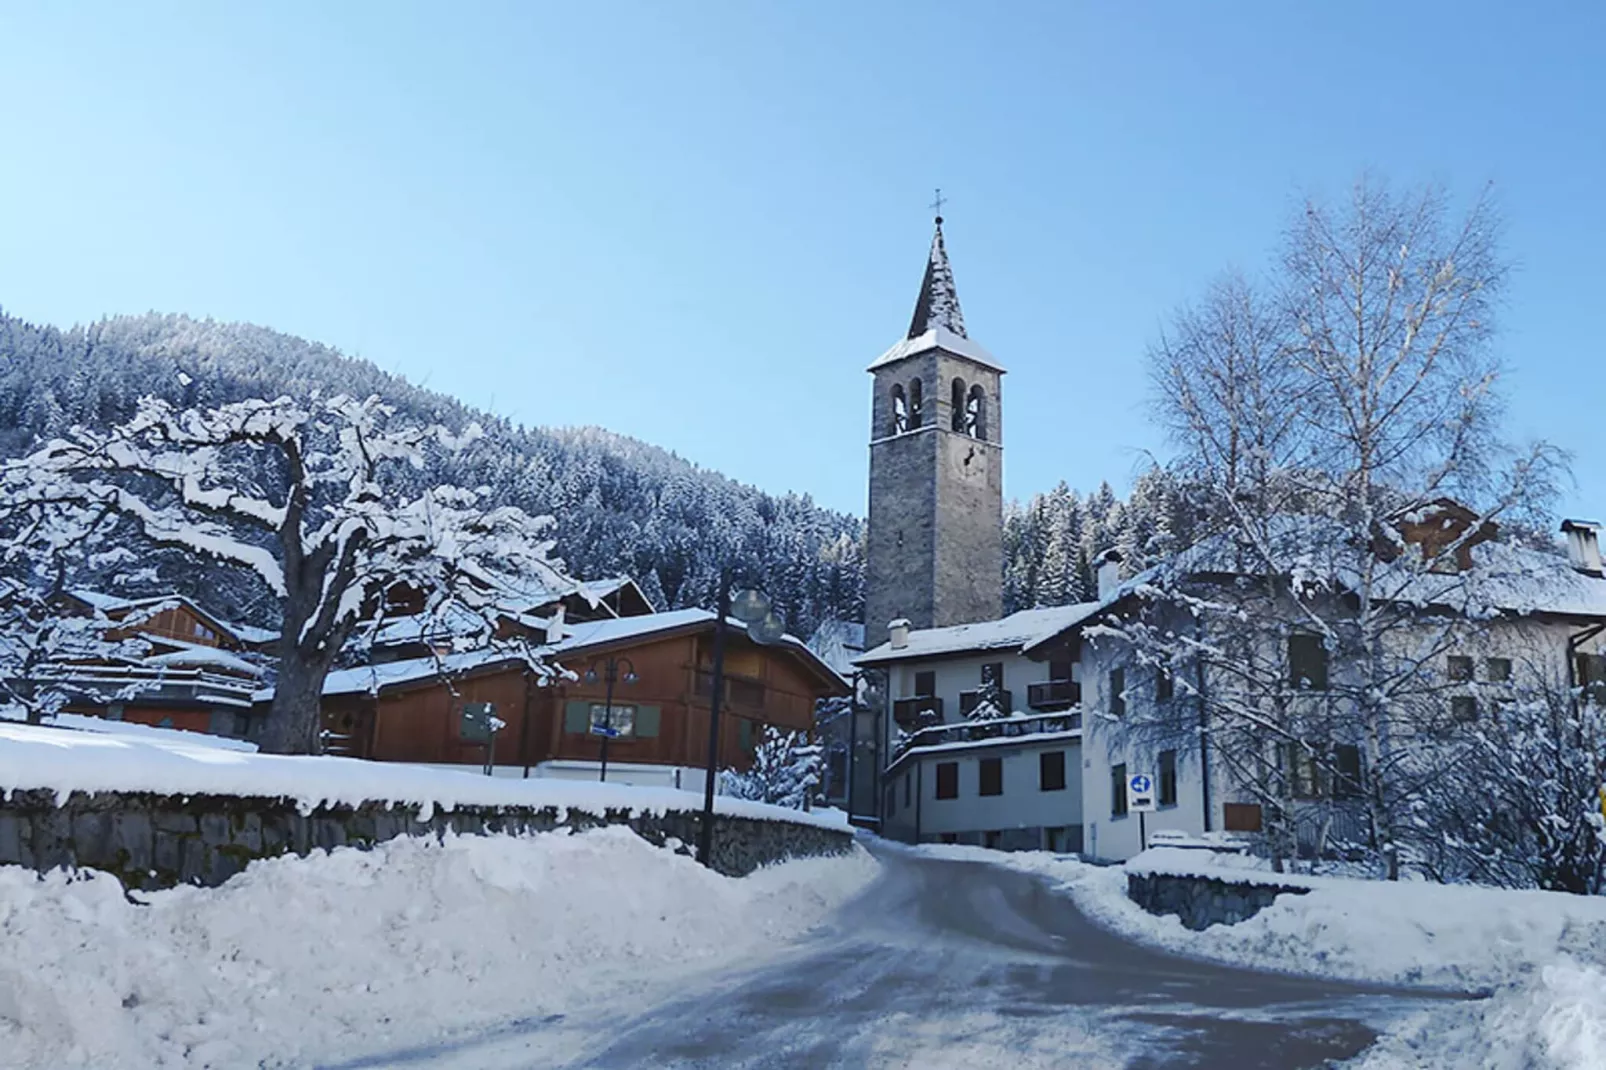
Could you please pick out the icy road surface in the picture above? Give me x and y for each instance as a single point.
(945, 963)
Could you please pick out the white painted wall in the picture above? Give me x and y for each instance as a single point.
(1022, 805)
(959, 674)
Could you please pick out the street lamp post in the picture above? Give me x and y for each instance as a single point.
(752, 607)
(610, 673)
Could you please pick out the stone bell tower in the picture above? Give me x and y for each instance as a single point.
(936, 553)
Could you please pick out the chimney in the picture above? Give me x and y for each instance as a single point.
(1583, 545)
(554, 625)
(898, 633)
(1107, 565)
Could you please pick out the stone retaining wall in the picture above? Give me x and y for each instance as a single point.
(1201, 902)
(158, 841)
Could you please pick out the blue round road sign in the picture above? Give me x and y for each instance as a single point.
(1141, 785)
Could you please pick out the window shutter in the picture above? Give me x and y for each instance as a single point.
(744, 734)
(576, 717)
(647, 718)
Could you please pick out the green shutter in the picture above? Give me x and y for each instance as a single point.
(647, 718)
(744, 734)
(576, 716)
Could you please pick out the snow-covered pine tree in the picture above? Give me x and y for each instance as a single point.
(785, 771)
(309, 500)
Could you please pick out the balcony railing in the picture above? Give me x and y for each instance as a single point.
(999, 728)
(1053, 695)
(909, 712)
(969, 700)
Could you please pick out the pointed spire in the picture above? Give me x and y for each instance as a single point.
(938, 305)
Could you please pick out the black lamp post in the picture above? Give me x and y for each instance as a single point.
(751, 607)
(610, 673)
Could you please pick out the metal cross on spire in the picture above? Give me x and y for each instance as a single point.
(937, 204)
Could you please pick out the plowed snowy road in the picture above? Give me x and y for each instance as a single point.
(949, 963)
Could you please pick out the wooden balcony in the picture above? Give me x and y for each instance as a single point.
(1053, 695)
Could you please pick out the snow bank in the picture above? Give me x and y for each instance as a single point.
(40, 757)
(354, 953)
(1543, 954)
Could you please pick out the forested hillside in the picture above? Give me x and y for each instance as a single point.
(622, 506)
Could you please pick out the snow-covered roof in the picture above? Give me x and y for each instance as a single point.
(1504, 578)
(370, 679)
(936, 338)
(1017, 630)
(250, 633)
(197, 655)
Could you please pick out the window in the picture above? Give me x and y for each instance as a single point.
(992, 776)
(1307, 662)
(993, 673)
(1498, 670)
(1347, 766)
(958, 405)
(1168, 778)
(1164, 686)
(1300, 767)
(947, 780)
(1118, 692)
(1060, 669)
(1118, 790)
(916, 404)
(1051, 770)
(900, 411)
(892, 800)
(1592, 676)
(622, 720)
(908, 788)
(925, 684)
(1460, 668)
(1463, 708)
(976, 413)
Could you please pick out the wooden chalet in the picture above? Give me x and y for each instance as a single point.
(196, 675)
(411, 710)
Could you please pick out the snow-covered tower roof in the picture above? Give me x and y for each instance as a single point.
(938, 303)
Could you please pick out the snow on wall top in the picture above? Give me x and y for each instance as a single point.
(35, 757)
(1020, 629)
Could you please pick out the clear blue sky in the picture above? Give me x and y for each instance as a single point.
(696, 223)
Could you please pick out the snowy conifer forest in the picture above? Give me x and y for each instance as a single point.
(622, 506)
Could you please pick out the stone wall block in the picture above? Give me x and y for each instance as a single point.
(52, 838)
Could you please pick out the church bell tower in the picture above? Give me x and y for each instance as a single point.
(935, 553)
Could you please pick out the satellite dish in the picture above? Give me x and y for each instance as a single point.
(769, 629)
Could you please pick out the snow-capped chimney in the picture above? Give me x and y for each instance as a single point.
(1583, 545)
(1108, 567)
(554, 625)
(898, 633)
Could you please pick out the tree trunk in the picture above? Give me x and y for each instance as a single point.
(295, 720)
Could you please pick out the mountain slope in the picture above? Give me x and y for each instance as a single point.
(621, 505)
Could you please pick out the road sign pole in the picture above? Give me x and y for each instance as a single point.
(1143, 831)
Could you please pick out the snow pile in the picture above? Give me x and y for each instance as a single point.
(1543, 954)
(363, 953)
(1406, 933)
(39, 757)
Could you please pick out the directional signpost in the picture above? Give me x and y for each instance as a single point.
(1140, 800)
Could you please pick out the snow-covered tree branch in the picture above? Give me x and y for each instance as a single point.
(316, 499)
